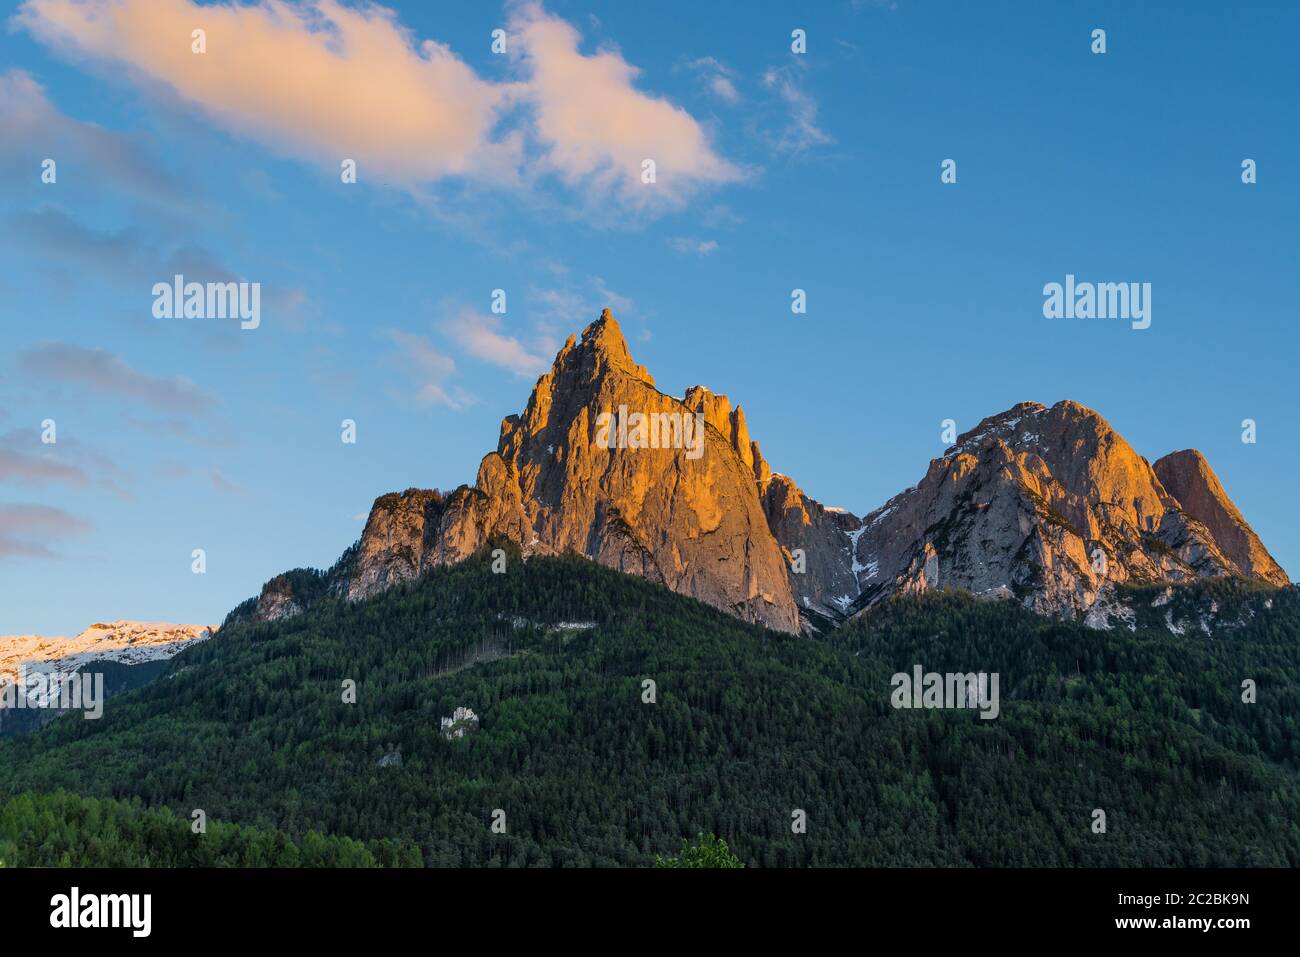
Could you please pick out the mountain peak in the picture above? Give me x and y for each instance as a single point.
(1191, 460)
(1187, 476)
(1027, 426)
(1053, 506)
(601, 464)
(606, 337)
(602, 348)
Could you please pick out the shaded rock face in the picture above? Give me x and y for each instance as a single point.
(815, 541)
(823, 538)
(396, 542)
(279, 600)
(1188, 478)
(1050, 506)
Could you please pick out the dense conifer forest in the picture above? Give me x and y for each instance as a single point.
(747, 728)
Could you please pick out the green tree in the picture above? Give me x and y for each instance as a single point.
(707, 851)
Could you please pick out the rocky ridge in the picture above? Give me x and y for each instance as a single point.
(1047, 506)
(126, 642)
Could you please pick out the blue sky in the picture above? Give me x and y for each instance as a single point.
(480, 171)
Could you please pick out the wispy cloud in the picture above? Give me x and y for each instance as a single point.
(103, 372)
(573, 302)
(799, 133)
(479, 334)
(720, 216)
(54, 232)
(429, 371)
(692, 247)
(127, 256)
(608, 297)
(25, 460)
(207, 475)
(718, 78)
(27, 468)
(33, 129)
(198, 432)
(31, 531)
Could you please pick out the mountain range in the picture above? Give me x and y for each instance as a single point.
(127, 642)
(1047, 507)
(128, 653)
(688, 643)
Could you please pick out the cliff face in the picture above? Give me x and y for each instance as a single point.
(683, 510)
(1188, 478)
(818, 545)
(815, 541)
(1049, 506)
(398, 540)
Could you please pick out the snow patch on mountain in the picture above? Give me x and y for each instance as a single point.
(126, 642)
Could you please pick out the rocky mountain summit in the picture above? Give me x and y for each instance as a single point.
(685, 511)
(1053, 507)
(1189, 479)
(1047, 506)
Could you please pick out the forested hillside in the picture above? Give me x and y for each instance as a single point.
(747, 727)
(62, 830)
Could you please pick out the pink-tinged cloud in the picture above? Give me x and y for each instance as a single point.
(25, 468)
(597, 129)
(324, 82)
(318, 81)
(481, 337)
(26, 460)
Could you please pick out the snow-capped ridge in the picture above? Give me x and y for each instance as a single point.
(123, 641)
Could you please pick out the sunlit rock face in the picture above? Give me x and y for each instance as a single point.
(1188, 478)
(1047, 506)
(1053, 507)
(684, 512)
